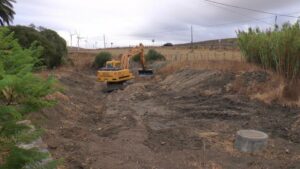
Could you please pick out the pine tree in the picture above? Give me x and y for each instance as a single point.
(21, 92)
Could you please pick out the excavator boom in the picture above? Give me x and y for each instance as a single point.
(139, 50)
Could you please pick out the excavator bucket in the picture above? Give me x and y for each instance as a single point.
(146, 73)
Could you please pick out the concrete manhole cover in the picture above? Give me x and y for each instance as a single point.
(251, 140)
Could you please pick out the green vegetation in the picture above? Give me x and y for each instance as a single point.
(152, 55)
(18, 158)
(277, 49)
(168, 44)
(55, 48)
(21, 92)
(136, 58)
(6, 12)
(101, 59)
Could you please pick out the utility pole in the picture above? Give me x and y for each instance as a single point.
(192, 36)
(104, 41)
(276, 26)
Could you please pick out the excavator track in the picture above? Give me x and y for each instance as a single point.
(110, 87)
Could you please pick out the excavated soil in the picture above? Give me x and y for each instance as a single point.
(186, 120)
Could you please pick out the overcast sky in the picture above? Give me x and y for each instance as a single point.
(128, 22)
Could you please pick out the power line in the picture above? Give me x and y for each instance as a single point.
(250, 9)
(232, 11)
(236, 22)
(248, 20)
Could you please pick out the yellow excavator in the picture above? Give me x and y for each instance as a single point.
(116, 73)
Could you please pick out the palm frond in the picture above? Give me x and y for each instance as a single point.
(6, 11)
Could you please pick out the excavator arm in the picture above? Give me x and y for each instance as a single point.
(139, 50)
(125, 58)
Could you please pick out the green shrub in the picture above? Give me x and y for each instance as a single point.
(101, 59)
(11, 129)
(277, 49)
(136, 58)
(55, 48)
(18, 158)
(168, 44)
(153, 55)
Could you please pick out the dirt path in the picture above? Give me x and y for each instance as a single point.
(187, 120)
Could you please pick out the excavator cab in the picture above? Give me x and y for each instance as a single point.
(113, 64)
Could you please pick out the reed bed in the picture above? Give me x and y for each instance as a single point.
(277, 49)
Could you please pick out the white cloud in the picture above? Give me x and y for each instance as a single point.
(128, 22)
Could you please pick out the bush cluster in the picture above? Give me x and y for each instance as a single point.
(101, 59)
(136, 58)
(277, 49)
(168, 44)
(152, 55)
(21, 92)
(55, 48)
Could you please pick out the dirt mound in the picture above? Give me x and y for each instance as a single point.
(186, 120)
(198, 80)
(192, 88)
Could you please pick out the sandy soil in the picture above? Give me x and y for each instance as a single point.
(185, 120)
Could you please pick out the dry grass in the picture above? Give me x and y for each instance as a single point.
(274, 90)
(173, 53)
(222, 65)
(199, 54)
(267, 92)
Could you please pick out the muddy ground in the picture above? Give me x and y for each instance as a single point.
(186, 120)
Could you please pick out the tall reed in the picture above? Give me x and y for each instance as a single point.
(277, 49)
